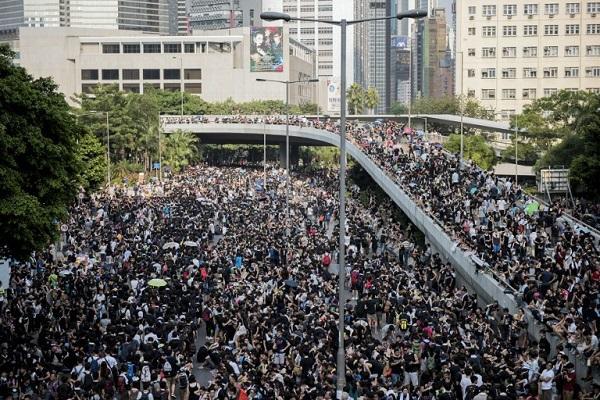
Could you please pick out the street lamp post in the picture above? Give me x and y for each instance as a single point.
(516, 150)
(343, 24)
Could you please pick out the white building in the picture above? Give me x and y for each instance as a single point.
(514, 52)
(215, 65)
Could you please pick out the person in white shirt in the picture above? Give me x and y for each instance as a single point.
(546, 379)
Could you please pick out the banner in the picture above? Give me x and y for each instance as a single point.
(333, 95)
(266, 49)
(400, 42)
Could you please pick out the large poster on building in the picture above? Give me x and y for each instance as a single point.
(333, 95)
(399, 42)
(266, 49)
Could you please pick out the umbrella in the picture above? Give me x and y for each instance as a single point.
(157, 282)
(291, 283)
(170, 245)
(65, 272)
(532, 207)
(189, 243)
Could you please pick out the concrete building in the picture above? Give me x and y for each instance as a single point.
(152, 16)
(515, 52)
(224, 14)
(215, 65)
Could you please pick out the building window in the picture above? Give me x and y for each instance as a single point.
(131, 74)
(472, 10)
(509, 94)
(571, 51)
(509, 73)
(131, 87)
(89, 74)
(470, 93)
(489, 10)
(151, 74)
(592, 51)
(172, 47)
(171, 74)
(550, 91)
(592, 29)
(488, 52)
(509, 52)
(551, 8)
(471, 31)
(593, 7)
(471, 52)
(530, 30)
(110, 74)
(593, 90)
(489, 31)
(201, 47)
(325, 30)
(488, 73)
(192, 73)
(193, 88)
(550, 51)
(150, 86)
(529, 72)
(471, 73)
(488, 94)
(572, 8)
(530, 9)
(509, 9)
(151, 47)
(509, 30)
(189, 48)
(172, 87)
(572, 29)
(529, 94)
(131, 48)
(307, 31)
(326, 42)
(111, 48)
(88, 87)
(551, 72)
(571, 72)
(530, 52)
(551, 30)
(592, 72)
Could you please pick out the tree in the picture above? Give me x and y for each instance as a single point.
(92, 156)
(371, 99)
(451, 105)
(475, 149)
(399, 108)
(39, 169)
(180, 149)
(355, 98)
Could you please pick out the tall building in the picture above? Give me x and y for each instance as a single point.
(153, 16)
(513, 52)
(224, 14)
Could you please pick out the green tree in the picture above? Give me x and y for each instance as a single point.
(451, 105)
(371, 99)
(92, 156)
(180, 149)
(399, 108)
(475, 149)
(39, 168)
(355, 99)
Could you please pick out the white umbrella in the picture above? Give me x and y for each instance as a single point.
(170, 245)
(65, 272)
(189, 243)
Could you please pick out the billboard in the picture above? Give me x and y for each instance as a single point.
(400, 42)
(266, 49)
(333, 95)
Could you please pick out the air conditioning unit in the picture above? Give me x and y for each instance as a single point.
(471, 18)
(530, 16)
(593, 15)
(551, 16)
(572, 15)
(489, 17)
(509, 16)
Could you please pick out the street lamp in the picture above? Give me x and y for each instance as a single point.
(287, 141)
(516, 149)
(462, 107)
(343, 24)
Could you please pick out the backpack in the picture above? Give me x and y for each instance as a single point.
(182, 380)
(144, 395)
(88, 382)
(167, 368)
(94, 366)
(121, 384)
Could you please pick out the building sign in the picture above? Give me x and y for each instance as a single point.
(400, 42)
(266, 49)
(333, 95)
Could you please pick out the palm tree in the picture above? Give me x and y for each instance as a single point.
(355, 98)
(180, 149)
(371, 99)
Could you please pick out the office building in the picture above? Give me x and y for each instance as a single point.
(224, 14)
(513, 52)
(215, 65)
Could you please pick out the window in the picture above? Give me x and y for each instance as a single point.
(471, 73)
(489, 31)
(131, 74)
(201, 47)
(151, 74)
(194, 88)
(593, 7)
(509, 52)
(530, 30)
(110, 74)
(530, 72)
(325, 30)
(571, 51)
(509, 30)
(171, 73)
(571, 72)
(592, 72)
(551, 72)
(326, 42)
(131, 48)
(471, 31)
(148, 86)
(307, 31)
(593, 50)
(551, 30)
(592, 29)
(509, 73)
(189, 48)
(509, 94)
(550, 91)
(593, 90)
(88, 87)
(489, 10)
(488, 52)
(550, 51)
(89, 74)
(172, 87)
(471, 52)
(530, 9)
(151, 47)
(530, 52)
(488, 73)
(192, 73)
(572, 29)
(111, 48)
(172, 47)
(529, 94)
(472, 10)
(131, 87)
(488, 94)
(551, 8)
(572, 8)
(509, 9)
(470, 93)
(219, 47)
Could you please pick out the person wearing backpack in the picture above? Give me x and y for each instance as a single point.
(169, 372)
(145, 394)
(182, 384)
